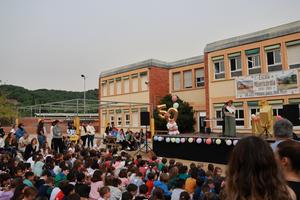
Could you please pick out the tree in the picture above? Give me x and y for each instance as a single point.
(185, 120)
(8, 111)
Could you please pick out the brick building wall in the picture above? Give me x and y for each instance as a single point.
(158, 85)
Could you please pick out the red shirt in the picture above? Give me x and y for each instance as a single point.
(150, 185)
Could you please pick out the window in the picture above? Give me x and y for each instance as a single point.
(235, 63)
(253, 61)
(273, 58)
(219, 69)
(118, 86)
(144, 81)
(111, 87)
(187, 77)
(176, 81)
(127, 119)
(112, 119)
(126, 84)
(135, 82)
(119, 120)
(104, 88)
(293, 52)
(278, 110)
(252, 111)
(239, 116)
(135, 119)
(199, 77)
(219, 117)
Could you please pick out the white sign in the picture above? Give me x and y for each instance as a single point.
(274, 83)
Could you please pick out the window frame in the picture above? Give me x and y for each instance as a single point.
(219, 73)
(191, 79)
(200, 78)
(236, 63)
(273, 50)
(173, 81)
(127, 121)
(253, 61)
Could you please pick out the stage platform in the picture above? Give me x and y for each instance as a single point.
(211, 148)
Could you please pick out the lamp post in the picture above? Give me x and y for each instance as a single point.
(84, 77)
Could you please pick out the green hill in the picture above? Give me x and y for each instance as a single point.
(22, 96)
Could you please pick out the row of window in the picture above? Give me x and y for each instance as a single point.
(121, 85)
(188, 81)
(120, 120)
(273, 58)
(239, 115)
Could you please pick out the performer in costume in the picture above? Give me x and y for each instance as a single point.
(172, 127)
(229, 119)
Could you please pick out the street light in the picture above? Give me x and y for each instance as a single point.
(84, 77)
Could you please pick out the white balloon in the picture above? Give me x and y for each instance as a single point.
(176, 105)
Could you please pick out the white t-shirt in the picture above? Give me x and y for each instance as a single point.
(82, 131)
(2, 143)
(51, 132)
(90, 129)
(23, 143)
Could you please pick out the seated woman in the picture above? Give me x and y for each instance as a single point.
(30, 149)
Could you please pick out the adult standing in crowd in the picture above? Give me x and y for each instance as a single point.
(91, 134)
(41, 133)
(253, 173)
(57, 137)
(83, 133)
(283, 130)
(20, 131)
(2, 133)
(288, 155)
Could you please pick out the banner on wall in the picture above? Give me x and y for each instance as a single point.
(274, 83)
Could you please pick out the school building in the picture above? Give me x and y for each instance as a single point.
(252, 67)
(245, 69)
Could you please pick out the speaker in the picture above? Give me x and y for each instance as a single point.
(145, 118)
(291, 112)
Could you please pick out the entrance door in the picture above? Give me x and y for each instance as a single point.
(201, 122)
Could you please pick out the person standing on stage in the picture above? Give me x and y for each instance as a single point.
(229, 119)
(83, 133)
(41, 133)
(91, 134)
(57, 137)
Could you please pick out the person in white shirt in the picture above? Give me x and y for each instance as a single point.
(83, 134)
(2, 143)
(97, 146)
(23, 142)
(91, 134)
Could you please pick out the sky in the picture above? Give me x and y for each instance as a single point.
(50, 43)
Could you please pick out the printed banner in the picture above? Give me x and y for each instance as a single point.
(274, 83)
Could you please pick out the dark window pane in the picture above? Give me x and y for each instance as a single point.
(217, 68)
(240, 122)
(280, 111)
(270, 58)
(250, 63)
(232, 64)
(241, 113)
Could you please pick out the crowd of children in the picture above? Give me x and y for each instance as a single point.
(98, 173)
